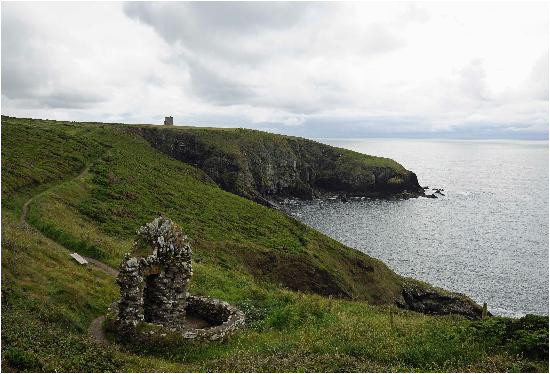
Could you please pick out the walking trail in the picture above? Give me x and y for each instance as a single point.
(95, 330)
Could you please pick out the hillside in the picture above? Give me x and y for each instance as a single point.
(93, 185)
(265, 167)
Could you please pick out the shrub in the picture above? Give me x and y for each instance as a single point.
(21, 360)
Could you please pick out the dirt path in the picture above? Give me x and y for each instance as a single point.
(25, 210)
(102, 266)
(27, 204)
(96, 329)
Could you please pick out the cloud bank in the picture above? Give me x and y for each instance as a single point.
(411, 69)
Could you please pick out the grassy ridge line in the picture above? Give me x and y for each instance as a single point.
(264, 167)
(61, 151)
(224, 138)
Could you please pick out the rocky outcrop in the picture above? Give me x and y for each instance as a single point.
(266, 167)
(430, 300)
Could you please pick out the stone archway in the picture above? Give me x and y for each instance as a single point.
(153, 280)
(153, 283)
(150, 298)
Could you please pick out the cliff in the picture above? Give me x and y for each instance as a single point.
(266, 167)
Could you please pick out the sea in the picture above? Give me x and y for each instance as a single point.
(486, 237)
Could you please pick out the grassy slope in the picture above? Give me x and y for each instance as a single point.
(242, 252)
(233, 141)
(247, 162)
(131, 183)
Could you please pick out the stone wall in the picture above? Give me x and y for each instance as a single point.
(153, 288)
(153, 280)
(224, 318)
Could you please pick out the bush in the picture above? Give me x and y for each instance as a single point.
(527, 336)
(20, 360)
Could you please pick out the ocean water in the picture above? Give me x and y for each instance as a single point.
(487, 237)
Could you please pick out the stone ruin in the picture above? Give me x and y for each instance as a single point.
(169, 121)
(154, 280)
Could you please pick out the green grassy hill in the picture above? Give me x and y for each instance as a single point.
(310, 302)
(265, 167)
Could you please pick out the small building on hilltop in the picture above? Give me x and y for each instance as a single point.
(169, 121)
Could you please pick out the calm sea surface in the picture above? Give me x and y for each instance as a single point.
(487, 238)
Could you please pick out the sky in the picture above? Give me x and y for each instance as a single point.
(349, 70)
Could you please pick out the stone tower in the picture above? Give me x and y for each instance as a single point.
(169, 121)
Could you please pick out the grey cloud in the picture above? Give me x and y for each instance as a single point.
(323, 97)
(22, 67)
(29, 76)
(57, 99)
(381, 40)
(217, 29)
(214, 88)
(175, 20)
(70, 99)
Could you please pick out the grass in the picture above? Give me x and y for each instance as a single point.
(275, 269)
(131, 183)
(255, 164)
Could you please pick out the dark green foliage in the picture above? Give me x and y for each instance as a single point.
(67, 240)
(20, 360)
(31, 344)
(527, 336)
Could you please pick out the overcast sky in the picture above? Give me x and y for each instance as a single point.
(411, 69)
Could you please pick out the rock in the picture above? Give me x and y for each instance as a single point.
(430, 300)
(132, 263)
(432, 196)
(426, 188)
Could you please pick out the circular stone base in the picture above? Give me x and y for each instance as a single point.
(209, 319)
(222, 317)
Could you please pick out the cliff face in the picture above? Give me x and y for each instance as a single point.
(423, 298)
(265, 167)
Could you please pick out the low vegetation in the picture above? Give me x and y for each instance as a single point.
(265, 167)
(106, 182)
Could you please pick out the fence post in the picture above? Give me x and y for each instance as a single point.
(484, 311)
